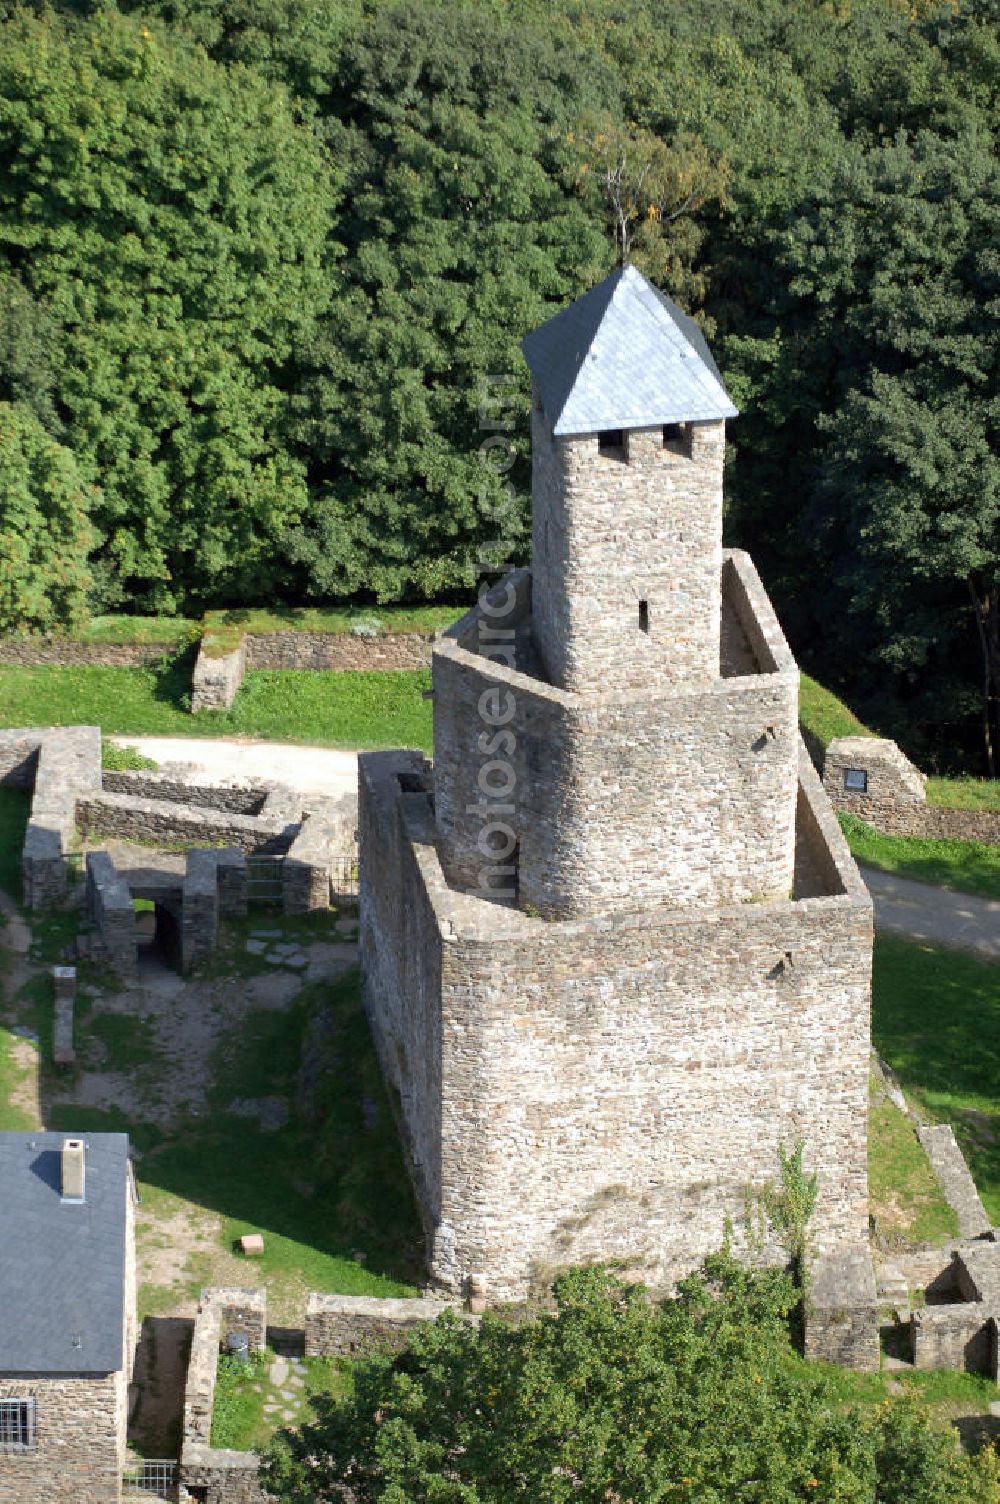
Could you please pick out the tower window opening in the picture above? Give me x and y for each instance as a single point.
(611, 443)
(644, 617)
(677, 438)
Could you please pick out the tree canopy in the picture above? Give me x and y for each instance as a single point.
(259, 261)
(44, 523)
(612, 1396)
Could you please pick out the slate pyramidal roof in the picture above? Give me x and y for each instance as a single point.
(624, 356)
(62, 1263)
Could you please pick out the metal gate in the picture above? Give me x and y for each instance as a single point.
(264, 881)
(150, 1480)
(344, 877)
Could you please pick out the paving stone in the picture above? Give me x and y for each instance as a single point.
(265, 934)
(279, 1372)
(297, 961)
(256, 947)
(995, 1407)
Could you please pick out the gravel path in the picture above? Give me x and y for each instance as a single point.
(313, 770)
(937, 915)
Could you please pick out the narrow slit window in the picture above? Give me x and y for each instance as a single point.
(856, 779)
(611, 442)
(644, 617)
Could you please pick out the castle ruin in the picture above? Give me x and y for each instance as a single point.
(615, 951)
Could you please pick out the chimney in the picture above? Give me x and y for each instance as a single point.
(73, 1169)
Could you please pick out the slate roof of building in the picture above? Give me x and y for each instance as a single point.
(624, 356)
(61, 1263)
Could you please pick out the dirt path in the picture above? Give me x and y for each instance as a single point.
(937, 915)
(313, 770)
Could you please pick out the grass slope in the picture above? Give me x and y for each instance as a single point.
(965, 866)
(936, 1019)
(371, 709)
(823, 717)
(906, 1201)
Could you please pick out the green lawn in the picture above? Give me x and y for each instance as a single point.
(329, 1190)
(906, 1200)
(338, 619)
(965, 866)
(823, 717)
(964, 793)
(172, 631)
(936, 1019)
(243, 1389)
(371, 709)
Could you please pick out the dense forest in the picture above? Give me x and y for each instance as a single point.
(259, 260)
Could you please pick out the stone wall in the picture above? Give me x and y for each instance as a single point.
(163, 821)
(43, 651)
(954, 1177)
(78, 1456)
(216, 680)
(610, 1087)
(894, 799)
(889, 778)
(200, 911)
(111, 911)
(227, 1477)
(63, 766)
(842, 1312)
(237, 799)
(958, 1336)
(609, 533)
(678, 794)
(346, 1325)
(339, 651)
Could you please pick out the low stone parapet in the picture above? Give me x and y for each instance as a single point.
(34, 652)
(221, 1476)
(948, 1163)
(164, 821)
(345, 1325)
(234, 798)
(110, 909)
(338, 651)
(61, 764)
(842, 1312)
(63, 1050)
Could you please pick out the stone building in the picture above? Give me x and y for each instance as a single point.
(68, 1332)
(615, 950)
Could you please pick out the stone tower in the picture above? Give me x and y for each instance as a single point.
(615, 951)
